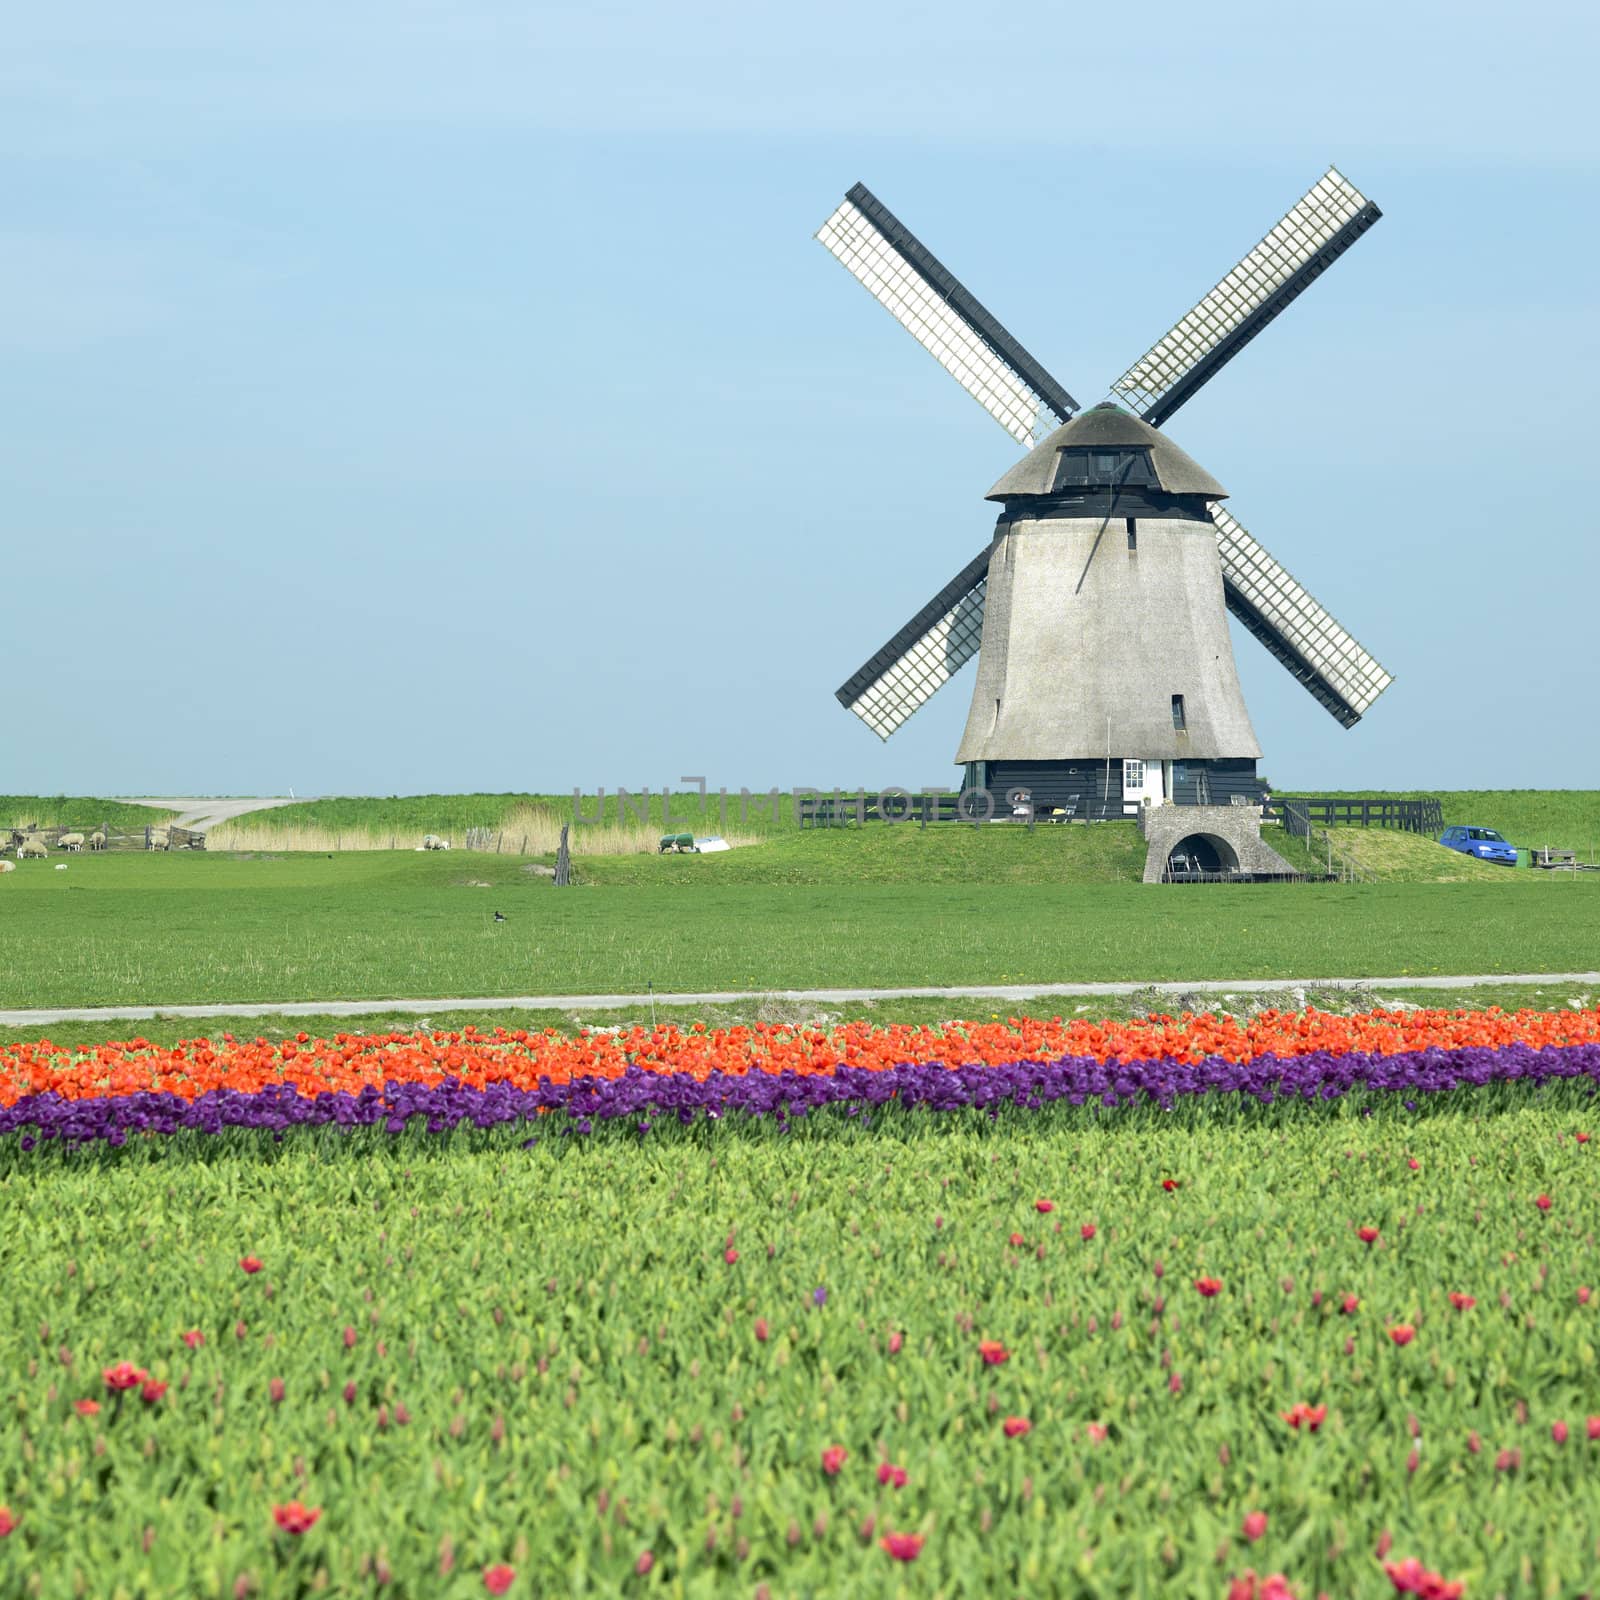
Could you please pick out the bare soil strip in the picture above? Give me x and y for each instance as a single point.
(611, 1002)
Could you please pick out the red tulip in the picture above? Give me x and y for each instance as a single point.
(295, 1518)
(1350, 1305)
(1015, 1427)
(896, 1339)
(151, 1390)
(1462, 1302)
(1300, 1412)
(889, 1473)
(1367, 1235)
(1044, 1206)
(1255, 1525)
(124, 1376)
(194, 1338)
(833, 1459)
(251, 1265)
(1582, 1138)
(1594, 1428)
(730, 1255)
(993, 1352)
(761, 1330)
(7, 1521)
(1584, 1291)
(275, 1391)
(1402, 1333)
(1558, 1431)
(1097, 1432)
(498, 1579)
(86, 1408)
(1087, 1230)
(903, 1546)
(1543, 1202)
(349, 1337)
(1017, 1241)
(1208, 1286)
(1169, 1184)
(647, 1559)
(1508, 1461)
(1413, 1163)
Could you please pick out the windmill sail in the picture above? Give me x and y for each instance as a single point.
(923, 656)
(1312, 235)
(1332, 666)
(928, 301)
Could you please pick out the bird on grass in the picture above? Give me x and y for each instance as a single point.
(498, 917)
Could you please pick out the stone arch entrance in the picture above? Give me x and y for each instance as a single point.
(1202, 852)
(1232, 835)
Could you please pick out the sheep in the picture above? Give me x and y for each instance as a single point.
(8, 866)
(156, 839)
(70, 841)
(432, 841)
(33, 845)
(97, 839)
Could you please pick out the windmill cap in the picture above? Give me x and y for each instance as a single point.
(1107, 427)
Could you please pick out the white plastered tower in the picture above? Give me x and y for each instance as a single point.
(1105, 626)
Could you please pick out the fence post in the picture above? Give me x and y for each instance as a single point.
(563, 861)
(497, 838)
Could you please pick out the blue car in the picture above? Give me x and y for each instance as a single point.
(1484, 843)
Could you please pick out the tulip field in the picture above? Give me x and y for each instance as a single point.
(1270, 1309)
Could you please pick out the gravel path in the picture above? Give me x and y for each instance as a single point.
(204, 814)
(619, 1002)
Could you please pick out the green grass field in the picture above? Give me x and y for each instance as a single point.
(195, 928)
(464, 1354)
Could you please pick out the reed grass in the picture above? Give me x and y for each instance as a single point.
(525, 830)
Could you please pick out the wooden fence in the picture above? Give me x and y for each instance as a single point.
(1298, 812)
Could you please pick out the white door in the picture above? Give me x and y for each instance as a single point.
(1141, 781)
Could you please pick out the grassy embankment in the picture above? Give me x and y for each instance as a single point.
(83, 812)
(1567, 819)
(464, 1353)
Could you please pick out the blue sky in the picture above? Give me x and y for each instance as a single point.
(452, 396)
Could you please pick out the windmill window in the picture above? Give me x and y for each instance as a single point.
(1132, 775)
(1178, 721)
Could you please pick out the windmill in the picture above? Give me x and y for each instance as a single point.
(1106, 678)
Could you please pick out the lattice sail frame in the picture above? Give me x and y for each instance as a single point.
(909, 282)
(1016, 391)
(923, 656)
(1327, 660)
(1311, 236)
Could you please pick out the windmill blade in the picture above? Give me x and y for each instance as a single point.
(1314, 233)
(926, 299)
(923, 656)
(1339, 674)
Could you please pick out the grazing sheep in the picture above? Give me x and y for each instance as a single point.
(432, 841)
(97, 839)
(157, 839)
(33, 845)
(70, 841)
